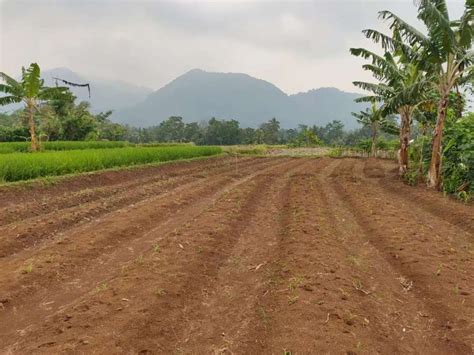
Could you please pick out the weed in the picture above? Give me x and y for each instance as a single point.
(355, 259)
(101, 287)
(296, 282)
(160, 292)
(157, 249)
(292, 299)
(28, 269)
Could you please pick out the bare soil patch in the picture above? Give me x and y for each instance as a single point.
(236, 255)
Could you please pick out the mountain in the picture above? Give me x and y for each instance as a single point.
(105, 94)
(199, 95)
(325, 105)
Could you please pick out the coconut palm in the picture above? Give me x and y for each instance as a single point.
(401, 86)
(446, 52)
(376, 120)
(31, 91)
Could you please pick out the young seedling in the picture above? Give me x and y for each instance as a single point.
(28, 269)
(101, 287)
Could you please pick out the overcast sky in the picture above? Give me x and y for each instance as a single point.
(297, 45)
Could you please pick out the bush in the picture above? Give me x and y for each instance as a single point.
(458, 156)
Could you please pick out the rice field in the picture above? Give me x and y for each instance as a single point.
(24, 147)
(20, 166)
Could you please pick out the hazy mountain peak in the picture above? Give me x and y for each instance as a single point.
(199, 95)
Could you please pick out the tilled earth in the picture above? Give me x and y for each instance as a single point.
(236, 255)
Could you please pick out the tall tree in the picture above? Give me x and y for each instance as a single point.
(446, 52)
(31, 91)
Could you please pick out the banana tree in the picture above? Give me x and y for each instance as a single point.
(31, 91)
(376, 119)
(446, 53)
(401, 85)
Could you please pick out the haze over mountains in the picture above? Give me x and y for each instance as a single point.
(105, 94)
(199, 95)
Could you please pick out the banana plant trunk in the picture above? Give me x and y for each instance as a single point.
(31, 125)
(404, 141)
(434, 173)
(373, 150)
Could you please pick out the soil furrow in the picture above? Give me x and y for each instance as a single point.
(443, 271)
(220, 321)
(31, 232)
(35, 206)
(138, 227)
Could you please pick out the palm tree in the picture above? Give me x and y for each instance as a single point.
(446, 52)
(401, 86)
(376, 120)
(31, 91)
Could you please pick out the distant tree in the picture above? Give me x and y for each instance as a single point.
(375, 119)
(171, 130)
(332, 134)
(248, 136)
(193, 132)
(222, 132)
(50, 126)
(79, 124)
(270, 131)
(31, 91)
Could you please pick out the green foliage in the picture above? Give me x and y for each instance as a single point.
(458, 157)
(336, 152)
(222, 132)
(382, 144)
(20, 166)
(412, 177)
(303, 137)
(269, 131)
(24, 147)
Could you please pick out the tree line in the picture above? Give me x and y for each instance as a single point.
(65, 120)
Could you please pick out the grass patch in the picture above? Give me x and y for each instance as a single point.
(20, 166)
(24, 147)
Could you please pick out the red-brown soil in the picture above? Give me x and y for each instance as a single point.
(236, 256)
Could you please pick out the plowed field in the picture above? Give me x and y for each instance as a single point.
(236, 256)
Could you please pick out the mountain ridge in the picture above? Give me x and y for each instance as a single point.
(198, 95)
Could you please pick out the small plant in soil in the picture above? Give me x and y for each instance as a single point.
(28, 269)
(296, 282)
(101, 287)
(292, 300)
